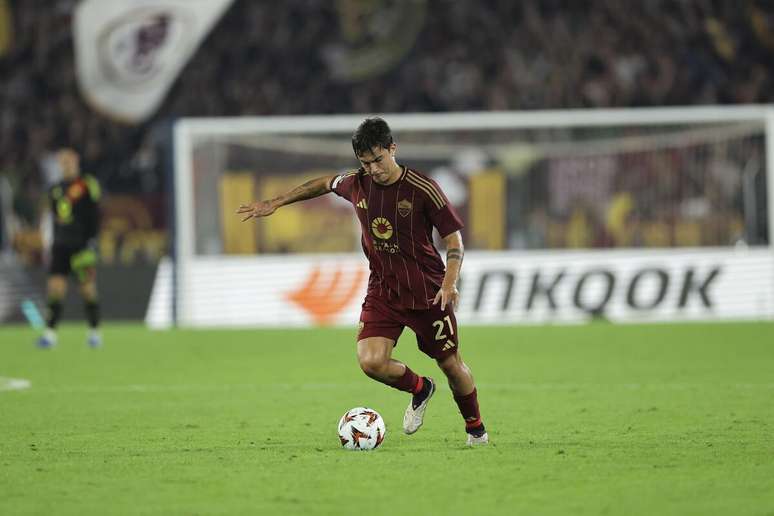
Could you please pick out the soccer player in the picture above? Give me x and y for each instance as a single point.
(75, 211)
(409, 286)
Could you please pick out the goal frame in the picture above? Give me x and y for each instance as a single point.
(186, 129)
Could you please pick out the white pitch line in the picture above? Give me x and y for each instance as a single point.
(14, 384)
(156, 388)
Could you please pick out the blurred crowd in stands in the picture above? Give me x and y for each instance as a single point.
(281, 58)
(685, 196)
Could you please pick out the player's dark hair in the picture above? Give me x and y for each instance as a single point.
(372, 132)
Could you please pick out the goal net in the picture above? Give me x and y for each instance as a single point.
(558, 182)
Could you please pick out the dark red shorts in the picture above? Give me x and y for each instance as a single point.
(436, 329)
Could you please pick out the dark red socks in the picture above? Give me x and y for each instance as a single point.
(468, 406)
(409, 382)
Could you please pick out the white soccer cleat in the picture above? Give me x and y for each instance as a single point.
(476, 441)
(414, 417)
(48, 339)
(94, 339)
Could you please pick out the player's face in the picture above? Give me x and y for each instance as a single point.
(70, 164)
(379, 163)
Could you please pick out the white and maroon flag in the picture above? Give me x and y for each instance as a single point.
(128, 53)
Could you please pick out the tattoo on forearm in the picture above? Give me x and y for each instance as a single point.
(308, 190)
(454, 254)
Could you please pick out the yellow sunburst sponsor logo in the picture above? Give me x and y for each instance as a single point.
(382, 228)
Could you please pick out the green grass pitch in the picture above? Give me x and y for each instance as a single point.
(595, 419)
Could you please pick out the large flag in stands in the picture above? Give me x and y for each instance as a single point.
(128, 53)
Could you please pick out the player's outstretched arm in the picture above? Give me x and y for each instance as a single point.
(308, 190)
(454, 253)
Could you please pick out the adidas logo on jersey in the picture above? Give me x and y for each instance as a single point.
(449, 344)
(362, 204)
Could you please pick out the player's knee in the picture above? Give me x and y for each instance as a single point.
(89, 291)
(450, 363)
(372, 365)
(454, 367)
(57, 287)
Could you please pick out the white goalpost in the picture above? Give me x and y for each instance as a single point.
(626, 214)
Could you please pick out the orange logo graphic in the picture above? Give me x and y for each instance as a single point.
(371, 416)
(324, 297)
(75, 191)
(381, 228)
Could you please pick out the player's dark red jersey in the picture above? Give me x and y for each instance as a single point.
(397, 222)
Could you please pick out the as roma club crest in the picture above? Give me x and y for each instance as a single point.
(381, 228)
(404, 207)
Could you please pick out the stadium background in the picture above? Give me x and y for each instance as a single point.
(710, 385)
(364, 57)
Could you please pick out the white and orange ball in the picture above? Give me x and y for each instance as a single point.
(361, 428)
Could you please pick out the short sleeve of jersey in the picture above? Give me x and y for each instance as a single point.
(343, 184)
(446, 220)
(443, 216)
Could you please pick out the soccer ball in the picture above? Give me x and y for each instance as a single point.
(361, 428)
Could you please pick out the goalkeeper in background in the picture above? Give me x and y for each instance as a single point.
(74, 206)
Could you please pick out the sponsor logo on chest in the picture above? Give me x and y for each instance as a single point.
(383, 230)
(75, 191)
